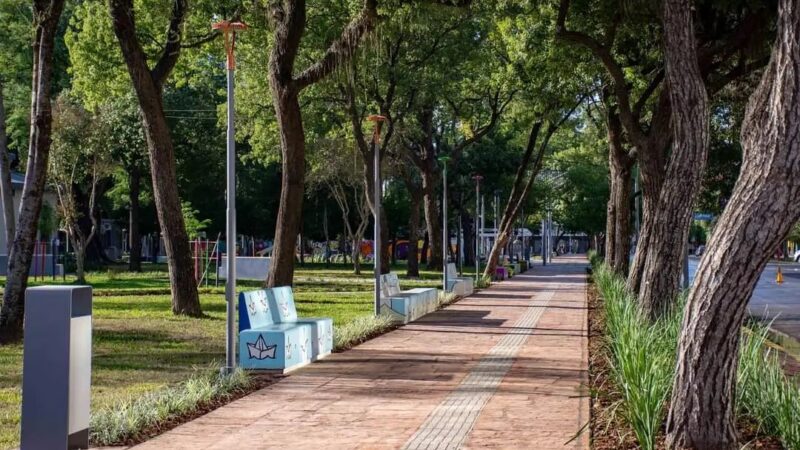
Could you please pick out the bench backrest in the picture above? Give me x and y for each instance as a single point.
(390, 285)
(255, 309)
(451, 271)
(282, 303)
(266, 307)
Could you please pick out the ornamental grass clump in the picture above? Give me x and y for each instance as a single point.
(641, 356)
(129, 421)
(764, 392)
(360, 330)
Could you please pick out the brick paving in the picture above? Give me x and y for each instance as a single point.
(504, 368)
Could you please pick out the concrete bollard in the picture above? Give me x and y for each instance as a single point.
(56, 368)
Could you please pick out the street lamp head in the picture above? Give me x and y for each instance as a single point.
(378, 119)
(444, 159)
(477, 178)
(229, 29)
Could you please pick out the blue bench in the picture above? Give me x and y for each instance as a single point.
(459, 286)
(272, 337)
(406, 306)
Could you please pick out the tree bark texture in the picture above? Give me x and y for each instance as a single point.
(148, 85)
(288, 20)
(134, 237)
(761, 211)
(6, 189)
(669, 235)
(618, 236)
(46, 15)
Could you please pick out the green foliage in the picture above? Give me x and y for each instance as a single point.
(48, 222)
(194, 225)
(764, 392)
(126, 420)
(642, 357)
(361, 329)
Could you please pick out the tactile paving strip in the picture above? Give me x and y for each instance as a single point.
(448, 426)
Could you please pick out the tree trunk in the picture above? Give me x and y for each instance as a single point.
(356, 256)
(469, 239)
(761, 211)
(620, 163)
(610, 250)
(80, 261)
(652, 178)
(690, 124)
(293, 150)
(134, 237)
(518, 195)
(46, 17)
(148, 85)
(433, 224)
(423, 257)
(6, 190)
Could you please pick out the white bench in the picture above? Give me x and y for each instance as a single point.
(459, 286)
(247, 267)
(406, 306)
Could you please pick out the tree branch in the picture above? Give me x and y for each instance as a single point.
(172, 48)
(603, 53)
(343, 48)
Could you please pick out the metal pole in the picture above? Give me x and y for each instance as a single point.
(377, 188)
(229, 34)
(460, 244)
(230, 235)
(544, 241)
(477, 179)
(445, 234)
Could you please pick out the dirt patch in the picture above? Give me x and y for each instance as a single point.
(608, 430)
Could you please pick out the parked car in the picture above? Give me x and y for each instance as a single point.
(699, 251)
(797, 255)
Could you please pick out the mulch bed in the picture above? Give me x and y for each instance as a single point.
(608, 430)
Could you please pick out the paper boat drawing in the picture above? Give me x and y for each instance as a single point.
(260, 350)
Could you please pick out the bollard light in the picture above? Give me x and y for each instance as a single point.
(56, 368)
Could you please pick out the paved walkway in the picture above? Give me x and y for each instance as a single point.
(504, 368)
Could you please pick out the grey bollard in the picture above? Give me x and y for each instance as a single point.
(56, 368)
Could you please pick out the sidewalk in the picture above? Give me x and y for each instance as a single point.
(504, 368)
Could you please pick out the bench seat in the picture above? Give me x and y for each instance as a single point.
(460, 286)
(275, 347)
(272, 337)
(406, 306)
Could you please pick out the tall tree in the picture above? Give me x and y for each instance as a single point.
(46, 15)
(6, 192)
(148, 84)
(687, 160)
(761, 212)
(288, 19)
(644, 107)
(77, 164)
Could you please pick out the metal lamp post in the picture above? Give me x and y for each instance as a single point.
(445, 233)
(229, 36)
(477, 179)
(378, 195)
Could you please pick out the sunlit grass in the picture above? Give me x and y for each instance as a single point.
(140, 347)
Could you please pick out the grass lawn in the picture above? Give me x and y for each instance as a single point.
(139, 345)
